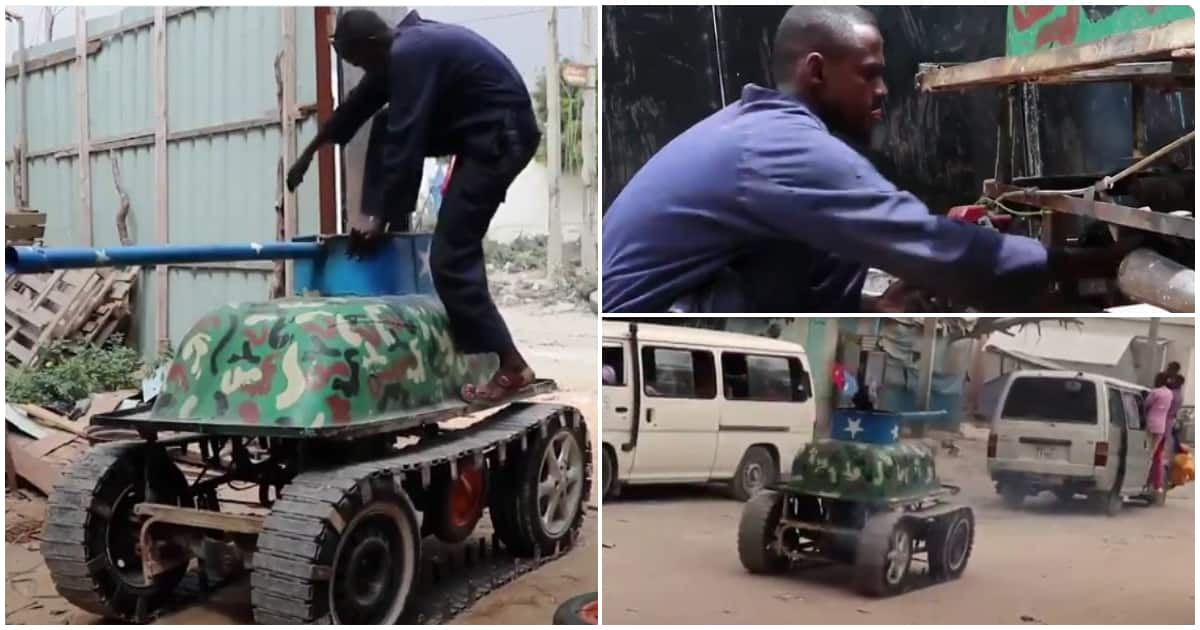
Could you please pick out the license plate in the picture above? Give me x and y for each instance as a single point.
(1047, 452)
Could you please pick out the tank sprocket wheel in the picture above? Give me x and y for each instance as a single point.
(537, 501)
(340, 547)
(90, 541)
(454, 506)
(756, 531)
(884, 555)
(949, 543)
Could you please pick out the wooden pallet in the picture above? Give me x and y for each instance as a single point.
(85, 303)
(24, 227)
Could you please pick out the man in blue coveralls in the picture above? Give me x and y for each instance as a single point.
(448, 92)
(765, 206)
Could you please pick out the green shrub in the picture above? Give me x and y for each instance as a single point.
(73, 370)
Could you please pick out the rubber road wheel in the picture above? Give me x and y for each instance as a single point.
(457, 504)
(90, 541)
(608, 475)
(336, 549)
(756, 532)
(1014, 496)
(756, 471)
(949, 544)
(884, 555)
(537, 501)
(580, 610)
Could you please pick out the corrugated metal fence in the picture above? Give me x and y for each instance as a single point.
(223, 142)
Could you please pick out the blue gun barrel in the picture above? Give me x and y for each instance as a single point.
(25, 259)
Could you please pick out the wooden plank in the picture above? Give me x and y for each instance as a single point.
(51, 419)
(207, 519)
(52, 442)
(53, 59)
(10, 468)
(23, 233)
(161, 211)
(22, 219)
(1136, 45)
(84, 161)
(38, 472)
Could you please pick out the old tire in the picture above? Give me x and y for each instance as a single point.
(756, 471)
(457, 504)
(608, 475)
(336, 549)
(537, 501)
(580, 610)
(1014, 496)
(884, 555)
(90, 538)
(949, 544)
(756, 532)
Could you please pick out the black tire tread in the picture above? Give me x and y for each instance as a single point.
(760, 515)
(935, 543)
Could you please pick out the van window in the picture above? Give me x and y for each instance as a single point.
(1133, 411)
(763, 378)
(612, 365)
(1116, 409)
(1051, 400)
(673, 373)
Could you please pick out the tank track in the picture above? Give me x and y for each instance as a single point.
(287, 575)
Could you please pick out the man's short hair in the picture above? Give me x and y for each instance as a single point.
(805, 29)
(357, 25)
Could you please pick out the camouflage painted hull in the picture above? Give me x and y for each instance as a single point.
(856, 471)
(315, 363)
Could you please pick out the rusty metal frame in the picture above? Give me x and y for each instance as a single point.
(1164, 41)
(1176, 73)
(1140, 218)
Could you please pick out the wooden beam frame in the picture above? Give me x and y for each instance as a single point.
(83, 128)
(1137, 45)
(161, 200)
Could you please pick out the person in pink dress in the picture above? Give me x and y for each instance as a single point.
(1158, 405)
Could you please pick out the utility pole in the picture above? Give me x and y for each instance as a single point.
(925, 369)
(1154, 365)
(587, 242)
(554, 247)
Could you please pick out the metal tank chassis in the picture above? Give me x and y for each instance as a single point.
(864, 498)
(331, 405)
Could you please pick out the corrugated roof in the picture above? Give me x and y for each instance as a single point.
(1064, 344)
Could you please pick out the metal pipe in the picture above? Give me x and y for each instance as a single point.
(1146, 276)
(24, 259)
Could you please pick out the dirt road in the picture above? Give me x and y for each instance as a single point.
(673, 560)
(559, 345)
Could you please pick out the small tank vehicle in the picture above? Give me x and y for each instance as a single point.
(866, 498)
(332, 402)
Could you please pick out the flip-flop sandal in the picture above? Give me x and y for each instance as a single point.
(501, 385)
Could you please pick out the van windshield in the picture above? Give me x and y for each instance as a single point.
(1051, 400)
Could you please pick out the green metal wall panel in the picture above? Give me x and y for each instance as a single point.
(222, 186)
(1034, 27)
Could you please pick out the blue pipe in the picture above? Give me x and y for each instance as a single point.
(25, 259)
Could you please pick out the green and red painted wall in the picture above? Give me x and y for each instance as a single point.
(1032, 28)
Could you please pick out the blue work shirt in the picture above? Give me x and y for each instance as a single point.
(451, 92)
(761, 202)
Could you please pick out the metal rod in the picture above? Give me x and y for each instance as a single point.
(42, 259)
(1108, 182)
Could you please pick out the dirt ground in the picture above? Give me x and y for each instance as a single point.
(670, 556)
(559, 345)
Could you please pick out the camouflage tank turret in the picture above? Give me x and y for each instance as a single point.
(863, 497)
(332, 402)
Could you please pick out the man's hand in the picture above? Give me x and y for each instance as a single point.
(295, 174)
(365, 237)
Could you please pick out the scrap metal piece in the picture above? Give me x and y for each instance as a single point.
(1146, 276)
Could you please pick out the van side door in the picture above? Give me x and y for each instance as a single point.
(677, 434)
(616, 393)
(1138, 447)
(767, 400)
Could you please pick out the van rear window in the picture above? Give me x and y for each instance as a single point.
(1051, 400)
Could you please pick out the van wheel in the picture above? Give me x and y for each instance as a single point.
(1014, 496)
(1065, 495)
(610, 489)
(756, 471)
(1110, 502)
